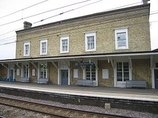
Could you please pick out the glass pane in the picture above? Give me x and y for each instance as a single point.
(119, 66)
(119, 76)
(93, 78)
(64, 44)
(126, 76)
(87, 68)
(43, 47)
(90, 73)
(90, 42)
(126, 66)
(121, 39)
(156, 65)
(26, 49)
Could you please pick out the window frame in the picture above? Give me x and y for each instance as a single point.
(89, 71)
(43, 70)
(116, 39)
(26, 43)
(25, 70)
(43, 41)
(61, 46)
(86, 41)
(122, 71)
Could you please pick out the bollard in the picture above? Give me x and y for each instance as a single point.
(107, 106)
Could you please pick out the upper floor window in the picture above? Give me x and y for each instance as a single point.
(64, 44)
(121, 38)
(27, 49)
(90, 41)
(43, 47)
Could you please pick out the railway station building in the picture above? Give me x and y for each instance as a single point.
(107, 48)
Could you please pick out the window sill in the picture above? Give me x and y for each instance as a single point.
(90, 50)
(63, 52)
(42, 54)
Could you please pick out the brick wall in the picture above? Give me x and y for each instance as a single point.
(3, 72)
(141, 70)
(104, 25)
(52, 74)
(109, 82)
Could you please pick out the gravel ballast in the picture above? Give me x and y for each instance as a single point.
(9, 112)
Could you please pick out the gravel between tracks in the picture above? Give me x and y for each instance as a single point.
(10, 112)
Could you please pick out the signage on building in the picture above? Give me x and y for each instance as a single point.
(84, 64)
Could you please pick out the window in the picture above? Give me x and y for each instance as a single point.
(122, 71)
(90, 72)
(121, 39)
(43, 47)
(43, 70)
(90, 41)
(64, 44)
(27, 49)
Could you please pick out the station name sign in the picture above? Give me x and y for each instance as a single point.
(84, 64)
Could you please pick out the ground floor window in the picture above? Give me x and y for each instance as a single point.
(26, 70)
(122, 71)
(43, 71)
(90, 72)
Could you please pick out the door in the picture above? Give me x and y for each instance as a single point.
(122, 73)
(11, 75)
(64, 77)
(156, 78)
(91, 72)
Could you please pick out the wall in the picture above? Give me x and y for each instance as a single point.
(80, 73)
(141, 71)
(52, 73)
(104, 25)
(3, 72)
(109, 82)
(18, 77)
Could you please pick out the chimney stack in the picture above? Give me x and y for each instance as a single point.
(145, 1)
(27, 25)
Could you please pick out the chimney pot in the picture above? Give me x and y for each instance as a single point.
(27, 25)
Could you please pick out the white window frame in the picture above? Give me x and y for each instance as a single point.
(90, 73)
(44, 70)
(61, 46)
(122, 71)
(43, 41)
(86, 41)
(26, 43)
(116, 40)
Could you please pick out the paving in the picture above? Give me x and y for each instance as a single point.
(103, 92)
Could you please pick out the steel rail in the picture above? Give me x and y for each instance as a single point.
(53, 110)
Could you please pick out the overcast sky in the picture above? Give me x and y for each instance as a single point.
(14, 12)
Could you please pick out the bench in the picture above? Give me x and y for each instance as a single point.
(136, 84)
(84, 82)
(42, 81)
(25, 79)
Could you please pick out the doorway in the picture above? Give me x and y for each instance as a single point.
(64, 77)
(11, 75)
(156, 78)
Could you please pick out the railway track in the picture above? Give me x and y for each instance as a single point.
(58, 112)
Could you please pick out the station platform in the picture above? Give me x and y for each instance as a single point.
(101, 92)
